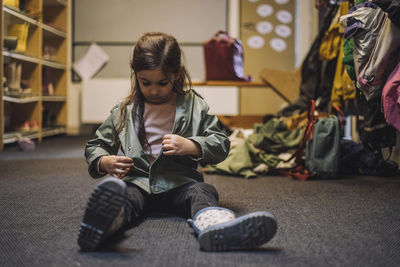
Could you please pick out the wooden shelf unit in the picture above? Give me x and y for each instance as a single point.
(44, 61)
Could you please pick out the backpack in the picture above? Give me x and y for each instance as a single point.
(319, 151)
(223, 56)
(323, 148)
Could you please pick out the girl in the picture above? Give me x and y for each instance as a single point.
(163, 131)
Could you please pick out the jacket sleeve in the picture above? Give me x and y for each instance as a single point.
(213, 142)
(103, 144)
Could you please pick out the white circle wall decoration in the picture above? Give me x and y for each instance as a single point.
(265, 10)
(255, 42)
(264, 27)
(278, 44)
(282, 2)
(284, 16)
(283, 31)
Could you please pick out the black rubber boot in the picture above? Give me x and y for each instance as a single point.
(104, 213)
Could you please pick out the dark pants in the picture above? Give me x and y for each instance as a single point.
(185, 201)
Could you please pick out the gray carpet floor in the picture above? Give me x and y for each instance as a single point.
(348, 221)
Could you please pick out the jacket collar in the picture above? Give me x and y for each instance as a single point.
(182, 118)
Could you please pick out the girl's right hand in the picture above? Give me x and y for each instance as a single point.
(116, 166)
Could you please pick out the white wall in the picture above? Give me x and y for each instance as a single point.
(74, 109)
(306, 30)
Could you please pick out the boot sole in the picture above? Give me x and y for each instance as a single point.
(243, 233)
(103, 206)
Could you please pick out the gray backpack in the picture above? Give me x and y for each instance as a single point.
(322, 151)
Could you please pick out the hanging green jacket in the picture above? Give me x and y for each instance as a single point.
(166, 172)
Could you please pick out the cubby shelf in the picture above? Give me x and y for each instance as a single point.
(21, 100)
(21, 57)
(44, 71)
(20, 15)
(53, 98)
(49, 29)
(54, 65)
(12, 137)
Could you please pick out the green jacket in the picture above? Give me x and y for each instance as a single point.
(166, 172)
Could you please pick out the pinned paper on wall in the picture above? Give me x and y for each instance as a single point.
(283, 31)
(281, 2)
(265, 10)
(255, 42)
(264, 27)
(278, 44)
(284, 16)
(91, 62)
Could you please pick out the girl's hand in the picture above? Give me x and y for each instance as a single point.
(173, 144)
(116, 166)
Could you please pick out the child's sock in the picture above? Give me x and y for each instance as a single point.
(219, 230)
(104, 213)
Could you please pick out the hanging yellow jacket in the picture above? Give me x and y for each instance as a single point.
(332, 47)
(331, 42)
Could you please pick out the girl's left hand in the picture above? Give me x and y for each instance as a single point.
(174, 144)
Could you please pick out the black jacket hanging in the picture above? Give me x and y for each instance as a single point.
(392, 7)
(316, 75)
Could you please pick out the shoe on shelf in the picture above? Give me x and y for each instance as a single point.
(47, 85)
(13, 76)
(25, 127)
(34, 125)
(5, 84)
(104, 213)
(12, 3)
(10, 42)
(20, 30)
(26, 89)
(49, 52)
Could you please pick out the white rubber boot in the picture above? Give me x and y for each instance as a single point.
(219, 230)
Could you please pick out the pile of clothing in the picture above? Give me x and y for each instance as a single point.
(262, 149)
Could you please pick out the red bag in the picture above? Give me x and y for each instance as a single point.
(224, 58)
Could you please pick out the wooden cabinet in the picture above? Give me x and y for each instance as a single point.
(34, 87)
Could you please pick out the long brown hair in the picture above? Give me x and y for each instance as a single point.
(153, 50)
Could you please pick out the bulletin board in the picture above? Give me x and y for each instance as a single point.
(267, 30)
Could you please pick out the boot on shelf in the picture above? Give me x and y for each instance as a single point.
(13, 75)
(5, 84)
(47, 85)
(26, 88)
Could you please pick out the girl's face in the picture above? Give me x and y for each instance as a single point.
(155, 86)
